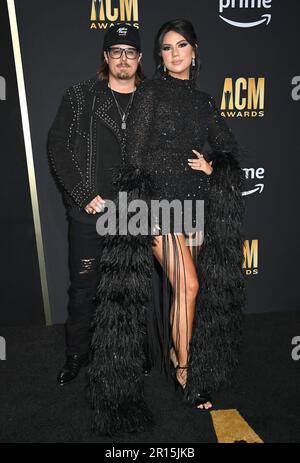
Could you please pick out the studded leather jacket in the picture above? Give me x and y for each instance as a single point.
(73, 144)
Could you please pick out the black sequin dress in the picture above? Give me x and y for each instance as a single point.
(171, 117)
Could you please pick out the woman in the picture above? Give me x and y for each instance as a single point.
(171, 121)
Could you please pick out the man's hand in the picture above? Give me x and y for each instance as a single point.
(96, 205)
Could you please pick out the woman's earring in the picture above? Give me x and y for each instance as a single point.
(193, 62)
(165, 69)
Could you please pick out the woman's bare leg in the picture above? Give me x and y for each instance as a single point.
(183, 278)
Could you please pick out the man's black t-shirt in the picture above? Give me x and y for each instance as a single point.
(108, 158)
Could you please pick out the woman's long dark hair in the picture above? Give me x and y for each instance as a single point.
(184, 28)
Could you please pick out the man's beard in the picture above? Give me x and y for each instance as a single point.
(123, 73)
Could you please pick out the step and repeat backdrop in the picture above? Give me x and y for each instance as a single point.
(250, 64)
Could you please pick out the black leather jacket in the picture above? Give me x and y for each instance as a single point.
(73, 142)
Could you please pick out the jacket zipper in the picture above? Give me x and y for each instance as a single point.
(91, 141)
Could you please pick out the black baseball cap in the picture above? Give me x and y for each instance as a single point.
(122, 34)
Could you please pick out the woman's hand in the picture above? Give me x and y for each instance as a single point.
(200, 163)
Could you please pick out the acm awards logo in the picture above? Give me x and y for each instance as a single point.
(243, 97)
(107, 13)
(231, 7)
(2, 89)
(250, 263)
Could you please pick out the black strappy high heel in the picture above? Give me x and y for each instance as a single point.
(201, 397)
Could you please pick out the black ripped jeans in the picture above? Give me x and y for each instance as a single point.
(85, 247)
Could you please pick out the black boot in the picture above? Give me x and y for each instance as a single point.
(72, 367)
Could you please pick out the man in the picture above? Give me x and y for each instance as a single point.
(85, 144)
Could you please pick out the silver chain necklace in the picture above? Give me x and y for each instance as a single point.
(123, 115)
